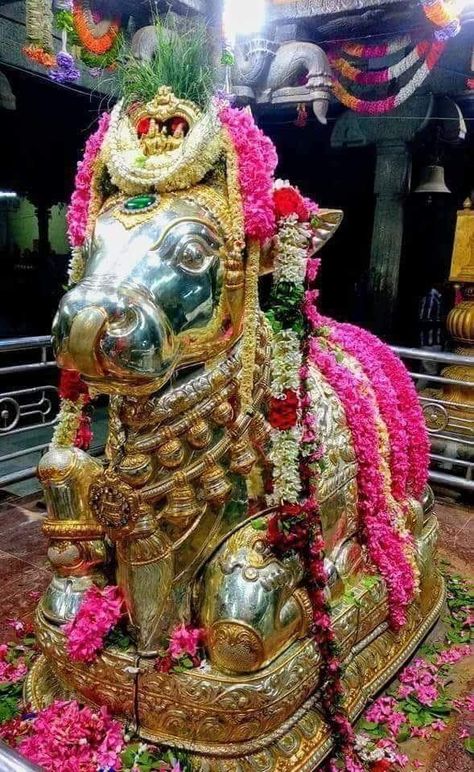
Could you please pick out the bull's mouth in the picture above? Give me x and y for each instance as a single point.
(98, 347)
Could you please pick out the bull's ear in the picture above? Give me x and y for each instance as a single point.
(324, 224)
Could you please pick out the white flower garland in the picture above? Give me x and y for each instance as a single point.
(284, 455)
(286, 363)
(76, 266)
(291, 253)
(292, 246)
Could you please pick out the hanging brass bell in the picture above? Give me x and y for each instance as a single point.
(171, 454)
(223, 414)
(215, 486)
(432, 180)
(199, 434)
(136, 469)
(242, 456)
(182, 504)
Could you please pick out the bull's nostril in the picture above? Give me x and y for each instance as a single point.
(123, 323)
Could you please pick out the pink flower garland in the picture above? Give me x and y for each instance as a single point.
(69, 738)
(78, 211)
(386, 546)
(257, 160)
(98, 613)
(358, 50)
(418, 440)
(349, 338)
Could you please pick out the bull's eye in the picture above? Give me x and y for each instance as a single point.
(194, 256)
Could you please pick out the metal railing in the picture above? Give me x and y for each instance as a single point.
(27, 414)
(24, 411)
(447, 401)
(446, 393)
(12, 761)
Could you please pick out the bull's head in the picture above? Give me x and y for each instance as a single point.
(153, 297)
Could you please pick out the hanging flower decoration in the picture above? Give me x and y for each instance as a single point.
(39, 55)
(257, 160)
(375, 77)
(427, 54)
(444, 15)
(98, 613)
(74, 423)
(66, 69)
(96, 40)
(295, 448)
(99, 36)
(377, 51)
(390, 546)
(379, 403)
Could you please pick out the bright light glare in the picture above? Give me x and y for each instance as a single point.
(242, 17)
(8, 194)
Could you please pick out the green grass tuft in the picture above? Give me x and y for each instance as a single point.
(182, 62)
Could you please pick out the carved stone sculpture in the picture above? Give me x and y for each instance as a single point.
(265, 72)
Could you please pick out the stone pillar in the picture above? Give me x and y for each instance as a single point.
(392, 139)
(43, 213)
(391, 185)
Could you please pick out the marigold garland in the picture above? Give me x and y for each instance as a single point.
(378, 106)
(87, 30)
(444, 15)
(79, 30)
(376, 77)
(39, 55)
(377, 51)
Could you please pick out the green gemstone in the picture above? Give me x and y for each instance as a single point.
(139, 202)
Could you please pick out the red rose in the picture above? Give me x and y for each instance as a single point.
(71, 386)
(282, 413)
(380, 766)
(163, 664)
(288, 529)
(84, 434)
(289, 201)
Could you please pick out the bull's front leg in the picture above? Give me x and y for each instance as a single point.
(252, 604)
(77, 551)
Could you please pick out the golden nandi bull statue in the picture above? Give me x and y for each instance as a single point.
(163, 316)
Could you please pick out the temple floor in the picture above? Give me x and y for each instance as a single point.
(24, 574)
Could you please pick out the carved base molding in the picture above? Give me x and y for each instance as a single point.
(264, 738)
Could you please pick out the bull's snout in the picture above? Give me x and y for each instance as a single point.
(108, 332)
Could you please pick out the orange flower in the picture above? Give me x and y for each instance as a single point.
(97, 44)
(39, 55)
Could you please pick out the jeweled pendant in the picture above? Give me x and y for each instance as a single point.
(138, 203)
